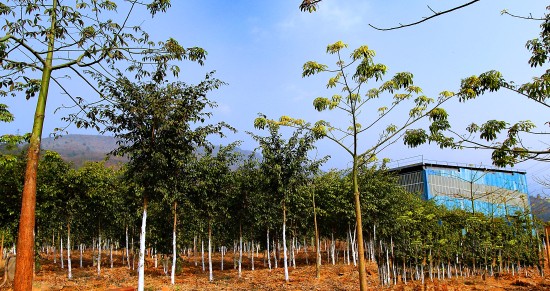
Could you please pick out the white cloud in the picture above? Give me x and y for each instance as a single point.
(332, 15)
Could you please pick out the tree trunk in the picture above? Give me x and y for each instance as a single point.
(53, 248)
(127, 251)
(276, 253)
(81, 247)
(70, 271)
(210, 273)
(223, 253)
(252, 255)
(359, 226)
(174, 255)
(195, 250)
(2, 249)
(141, 263)
(285, 260)
(111, 254)
(202, 254)
(99, 255)
(240, 248)
(317, 246)
(61, 250)
(268, 257)
(24, 265)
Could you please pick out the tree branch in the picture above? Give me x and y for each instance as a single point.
(436, 14)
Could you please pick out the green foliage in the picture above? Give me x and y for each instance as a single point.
(505, 140)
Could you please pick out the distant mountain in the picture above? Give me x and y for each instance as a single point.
(540, 206)
(78, 148)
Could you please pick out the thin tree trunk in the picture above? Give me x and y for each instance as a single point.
(70, 271)
(127, 251)
(202, 254)
(61, 250)
(141, 263)
(223, 253)
(240, 248)
(276, 253)
(252, 255)
(317, 246)
(359, 226)
(111, 254)
(210, 273)
(285, 260)
(2, 249)
(81, 247)
(195, 250)
(53, 248)
(99, 255)
(268, 257)
(174, 255)
(133, 253)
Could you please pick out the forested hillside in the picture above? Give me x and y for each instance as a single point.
(80, 148)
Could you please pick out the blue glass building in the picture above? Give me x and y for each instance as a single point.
(492, 191)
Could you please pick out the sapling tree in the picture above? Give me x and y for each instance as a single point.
(249, 205)
(159, 124)
(285, 165)
(48, 42)
(214, 180)
(366, 116)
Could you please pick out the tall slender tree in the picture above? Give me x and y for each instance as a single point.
(286, 165)
(45, 41)
(355, 104)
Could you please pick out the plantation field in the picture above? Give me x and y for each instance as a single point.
(333, 277)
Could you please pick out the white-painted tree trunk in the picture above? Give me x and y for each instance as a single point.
(99, 255)
(223, 253)
(141, 263)
(332, 249)
(202, 255)
(127, 250)
(353, 245)
(240, 249)
(81, 250)
(70, 271)
(61, 250)
(252, 255)
(195, 249)
(133, 253)
(174, 254)
(285, 259)
(294, 252)
(275, 256)
(53, 249)
(111, 254)
(210, 273)
(268, 258)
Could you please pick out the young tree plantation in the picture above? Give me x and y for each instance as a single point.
(188, 209)
(94, 211)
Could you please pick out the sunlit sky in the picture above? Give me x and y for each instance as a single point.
(258, 47)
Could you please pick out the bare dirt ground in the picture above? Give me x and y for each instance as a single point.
(339, 277)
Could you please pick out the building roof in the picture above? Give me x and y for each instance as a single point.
(412, 167)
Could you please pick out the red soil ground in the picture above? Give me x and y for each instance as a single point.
(191, 277)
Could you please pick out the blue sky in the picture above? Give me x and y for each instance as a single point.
(258, 47)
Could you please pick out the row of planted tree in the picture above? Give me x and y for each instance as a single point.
(230, 203)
